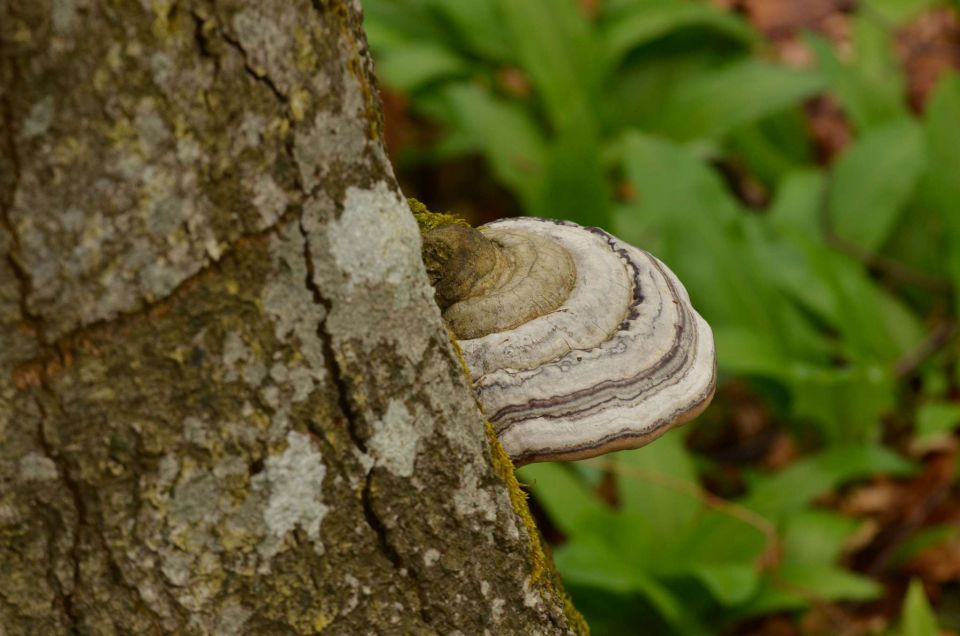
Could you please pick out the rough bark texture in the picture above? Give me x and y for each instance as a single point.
(227, 400)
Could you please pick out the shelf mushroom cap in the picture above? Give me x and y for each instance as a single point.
(578, 344)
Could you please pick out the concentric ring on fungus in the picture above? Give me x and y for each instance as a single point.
(611, 361)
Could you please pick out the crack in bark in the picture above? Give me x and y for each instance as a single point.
(14, 256)
(60, 348)
(73, 487)
(259, 78)
(341, 385)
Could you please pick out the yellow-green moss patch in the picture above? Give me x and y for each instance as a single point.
(428, 220)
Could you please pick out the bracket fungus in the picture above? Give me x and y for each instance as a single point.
(578, 344)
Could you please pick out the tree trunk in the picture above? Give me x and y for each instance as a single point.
(228, 404)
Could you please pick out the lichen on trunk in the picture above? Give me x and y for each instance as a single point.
(228, 403)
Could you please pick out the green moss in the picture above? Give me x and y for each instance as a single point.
(428, 220)
(542, 571)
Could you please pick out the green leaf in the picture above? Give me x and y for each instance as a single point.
(656, 482)
(645, 22)
(731, 584)
(918, 619)
(476, 26)
(790, 490)
(697, 226)
(922, 540)
(415, 65)
(772, 147)
(565, 498)
(874, 55)
(593, 563)
(717, 539)
(799, 584)
(935, 418)
(816, 537)
(872, 181)
(392, 24)
(867, 101)
(743, 351)
(575, 185)
(508, 137)
(556, 47)
(942, 181)
(846, 404)
(897, 11)
(713, 103)
(876, 326)
(813, 541)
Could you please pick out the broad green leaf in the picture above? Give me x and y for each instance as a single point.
(876, 326)
(812, 543)
(508, 137)
(632, 96)
(731, 584)
(897, 11)
(816, 537)
(786, 257)
(589, 562)
(575, 185)
(415, 65)
(743, 351)
(772, 147)
(875, 56)
(942, 181)
(935, 418)
(477, 26)
(918, 619)
(596, 565)
(798, 585)
(846, 404)
(568, 502)
(713, 103)
(659, 482)
(392, 24)
(556, 47)
(674, 185)
(718, 538)
(868, 102)
(871, 182)
(699, 234)
(645, 22)
(788, 491)
(924, 539)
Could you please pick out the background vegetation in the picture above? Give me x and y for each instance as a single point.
(797, 164)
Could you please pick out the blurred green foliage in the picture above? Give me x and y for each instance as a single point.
(820, 300)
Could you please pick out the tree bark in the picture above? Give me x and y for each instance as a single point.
(228, 404)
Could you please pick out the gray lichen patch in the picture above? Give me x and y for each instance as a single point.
(334, 140)
(241, 362)
(293, 482)
(267, 41)
(80, 255)
(269, 198)
(396, 437)
(289, 302)
(375, 240)
(471, 499)
(37, 467)
(135, 138)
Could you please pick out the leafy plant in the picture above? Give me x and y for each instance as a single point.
(668, 535)
(824, 299)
